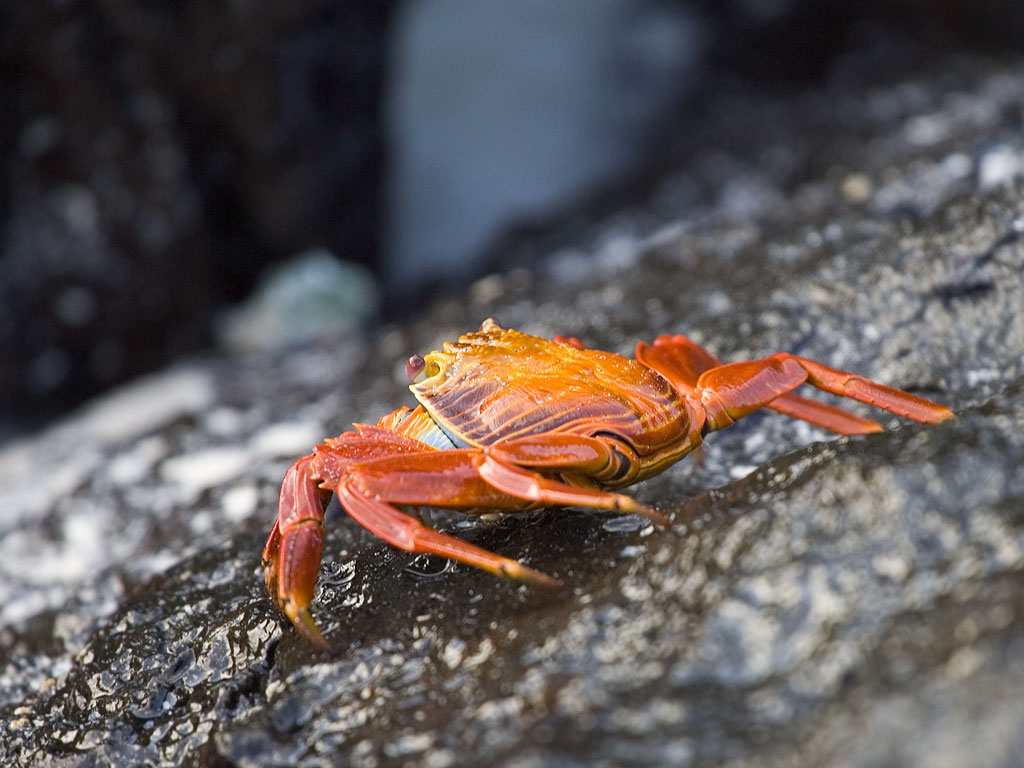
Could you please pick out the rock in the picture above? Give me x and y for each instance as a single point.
(143, 188)
(842, 602)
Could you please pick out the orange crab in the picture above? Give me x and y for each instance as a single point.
(509, 421)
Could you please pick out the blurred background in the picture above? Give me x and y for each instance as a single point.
(186, 176)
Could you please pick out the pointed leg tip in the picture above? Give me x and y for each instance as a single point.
(516, 570)
(870, 428)
(932, 413)
(925, 411)
(655, 516)
(549, 582)
(642, 510)
(302, 620)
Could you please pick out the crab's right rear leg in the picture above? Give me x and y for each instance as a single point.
(291, 558)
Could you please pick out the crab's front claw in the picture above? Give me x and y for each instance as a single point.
(291, 558)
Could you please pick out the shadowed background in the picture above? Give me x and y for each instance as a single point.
(158, 159)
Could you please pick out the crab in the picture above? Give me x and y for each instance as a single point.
(507, 421)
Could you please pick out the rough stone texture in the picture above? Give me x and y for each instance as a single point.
(841, 602)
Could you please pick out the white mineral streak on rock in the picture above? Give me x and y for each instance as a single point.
(148, 403)
(202, 470)
(63, 457)
(42, 476)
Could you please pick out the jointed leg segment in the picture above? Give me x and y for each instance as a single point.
(291, 557)
(730, 391)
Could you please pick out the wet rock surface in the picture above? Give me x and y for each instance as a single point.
(818, 600)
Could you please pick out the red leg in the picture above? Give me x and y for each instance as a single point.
(430, 479)
(453, 478)
(505, 465)
(405, 532)
(337, 454)
(525, 484)
(376, 467)
(677, 359)
(593, 456)
(373, 440)
(824, 415)
(572, 341)
(682, 362)
(468, 478)
(879, 395)
(291, 557)
(731, 391)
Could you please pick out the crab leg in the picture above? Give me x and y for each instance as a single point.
(831, 417)
(405, 532)
(677, 358)
(682, 362)
(375, 468)
(430, 478)
(291, 557)
(589, 455)
(729, 392)
(467, 478)
(525, 484)
(505, 466)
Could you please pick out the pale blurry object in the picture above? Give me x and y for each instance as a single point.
(310, 298)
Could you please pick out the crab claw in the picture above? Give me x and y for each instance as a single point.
(291, 558)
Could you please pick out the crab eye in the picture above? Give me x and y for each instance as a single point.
(414, 367)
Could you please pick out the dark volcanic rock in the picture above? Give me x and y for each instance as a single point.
(153, 157)
(818, 600)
